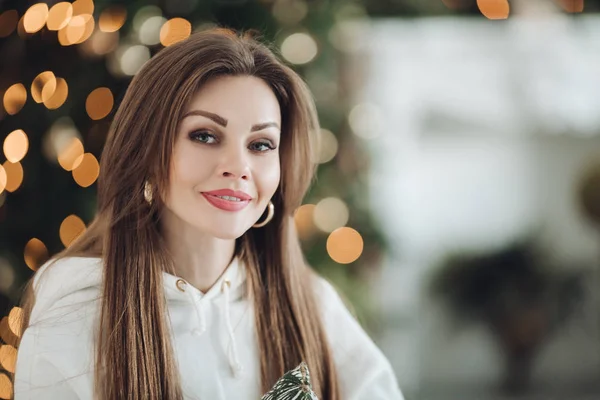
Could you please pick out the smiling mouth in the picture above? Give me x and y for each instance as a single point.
(226, 203)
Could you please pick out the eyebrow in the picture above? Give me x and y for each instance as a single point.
(223, 122)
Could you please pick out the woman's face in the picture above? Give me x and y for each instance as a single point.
(225, 164)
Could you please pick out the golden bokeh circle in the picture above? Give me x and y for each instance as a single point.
(15, 98)
(15, 319)
(6, 387)
(8, 357)
(70, 154)
(39, 84)
(8, 22)
(59, 96)
(14, 175)
(494, 9)
(16, 145)
(3, 179)
(175, 30)
(303, 219)
(83, 7)
(112, 18)
(35, 254)
(345, 245)
(35, 17)
(99, 103)
(70, 229)
(87, 171)
(59, 16)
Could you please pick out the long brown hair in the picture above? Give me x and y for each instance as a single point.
(134, 353)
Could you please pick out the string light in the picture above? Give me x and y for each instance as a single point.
(59, 16)
(112, 19)
(8, 22)
(35, 17)
(15, 98)
(175, 30)
(16, 145)
(35, 254)
(87, 171)
(330, 214)
(40, 82)
(299, 48)
(99, 103)
(14, 175)
(345, 245)
(303, 219)
(70, 229)
(70, 154)
(494, 9)
(58, 98)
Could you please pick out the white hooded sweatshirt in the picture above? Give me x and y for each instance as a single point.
(214, 339)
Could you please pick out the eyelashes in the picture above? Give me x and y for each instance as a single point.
(205, 137)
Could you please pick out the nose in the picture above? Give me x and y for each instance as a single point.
(235, 163)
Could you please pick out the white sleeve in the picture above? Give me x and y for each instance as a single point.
(363, 371)
(36, 377)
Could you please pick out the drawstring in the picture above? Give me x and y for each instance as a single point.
(232, 354)
(199, 313)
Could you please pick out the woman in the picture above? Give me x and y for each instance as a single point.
(190, 282)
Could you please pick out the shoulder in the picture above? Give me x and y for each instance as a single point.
(363, 370)
(63, 282)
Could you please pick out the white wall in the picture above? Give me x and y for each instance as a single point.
(487, 129)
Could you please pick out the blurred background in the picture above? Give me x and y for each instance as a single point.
(457, 205)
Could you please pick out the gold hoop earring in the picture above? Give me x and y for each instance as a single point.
(270, 215)
(148, 192)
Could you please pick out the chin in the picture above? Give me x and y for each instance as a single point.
(223, 232)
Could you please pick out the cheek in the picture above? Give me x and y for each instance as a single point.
(270, 180)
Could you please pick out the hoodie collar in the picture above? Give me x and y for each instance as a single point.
(234, 277)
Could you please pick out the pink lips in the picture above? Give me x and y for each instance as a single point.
(227, 205)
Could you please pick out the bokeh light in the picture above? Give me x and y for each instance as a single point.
(15, 98)
(7, 279)
(3, 179)
(14, 175)
(35, 17)
(99, 103)
(35, 254)
(70, 229)
(303, 219)
(494, 9)
(175, 30)
(87, 171)
(16, 145)
(15, 318)
(8, 22)
(366, 120)
(331, 213)
(81, 7)
(290, 12)
(345, 245)
(572, 6)
(143, 14)
(8, 357)
(6, 387)
(70, 154)
(39, 84)
(100, 44)
(149, 33)
(299, 48)
(129, 59)
(59, 137)
(59, 16)
(58, 98)
(328, 146)
(112, 18)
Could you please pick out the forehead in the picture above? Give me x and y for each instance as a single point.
(237, 98)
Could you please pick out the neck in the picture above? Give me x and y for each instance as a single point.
(200, 259)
